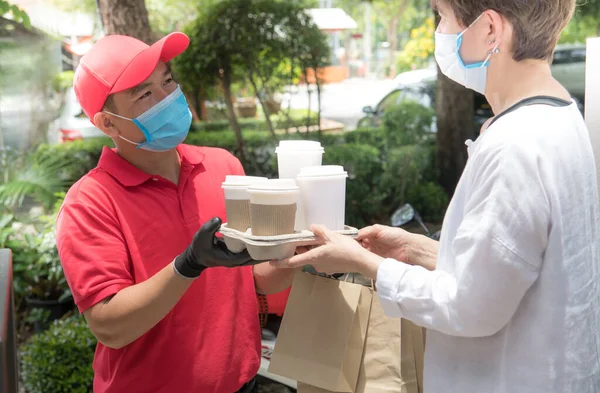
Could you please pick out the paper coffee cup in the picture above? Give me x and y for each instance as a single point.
(323, 195)
(273, 206)
(237, 200)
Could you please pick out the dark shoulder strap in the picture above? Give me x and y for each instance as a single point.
(538, 100)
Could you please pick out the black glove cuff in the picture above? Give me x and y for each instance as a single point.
(184, 266)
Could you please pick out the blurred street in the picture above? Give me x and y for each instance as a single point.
(344, 101)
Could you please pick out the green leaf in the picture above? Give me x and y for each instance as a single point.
(6, 220)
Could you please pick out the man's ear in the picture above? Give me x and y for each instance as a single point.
(105, 123)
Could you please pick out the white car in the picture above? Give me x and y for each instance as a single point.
(568, 67)
(72, 124)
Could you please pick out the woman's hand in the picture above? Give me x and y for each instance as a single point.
(337, 254)
(398, 244)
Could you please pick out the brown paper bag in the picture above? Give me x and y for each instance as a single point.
(418, 339)
(322, 335)
(392, 360)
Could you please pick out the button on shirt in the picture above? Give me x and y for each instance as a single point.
(513, 305)
(120, 226)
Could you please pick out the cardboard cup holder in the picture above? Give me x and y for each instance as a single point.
(266, 248)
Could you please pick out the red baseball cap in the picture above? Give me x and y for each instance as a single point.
(116, 63)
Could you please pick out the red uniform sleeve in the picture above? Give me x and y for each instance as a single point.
(93, 253)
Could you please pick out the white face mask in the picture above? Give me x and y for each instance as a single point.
(447, 55)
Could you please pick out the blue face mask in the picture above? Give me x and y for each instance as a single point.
(165, 125)
(447, 54)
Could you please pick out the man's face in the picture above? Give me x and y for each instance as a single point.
(133, 102)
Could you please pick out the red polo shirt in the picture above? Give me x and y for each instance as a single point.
(118, 227)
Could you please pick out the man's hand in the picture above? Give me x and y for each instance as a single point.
(207, 251)
(133, 311)
(398, 244)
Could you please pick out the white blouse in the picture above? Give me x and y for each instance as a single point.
(514, 303)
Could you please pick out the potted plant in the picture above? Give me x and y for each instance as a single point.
(246, 107)
(48, 288)
(39, 278)
(273, 106)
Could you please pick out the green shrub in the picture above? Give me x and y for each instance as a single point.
(384, 164)
(369, 136)
(83, 154)
(60, 359)
(259, 156)
(404, 171)
(280, 121)
(430, 200)
(63, 80)
(363, 196)
(37, 271)
(407, 124)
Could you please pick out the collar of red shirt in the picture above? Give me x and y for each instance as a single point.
(130, 176)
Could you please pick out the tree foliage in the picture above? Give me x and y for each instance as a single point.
(585, 23)
(256, 42)
(14, 12)
(418, 51)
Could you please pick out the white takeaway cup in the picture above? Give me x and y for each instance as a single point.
(323, 195)
(236, 187)
(294, 155)
(237, 200)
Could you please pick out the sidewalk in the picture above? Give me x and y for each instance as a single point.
(327, 126)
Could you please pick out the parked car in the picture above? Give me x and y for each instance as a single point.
(424, 93)
(72, 123)
(568, 67)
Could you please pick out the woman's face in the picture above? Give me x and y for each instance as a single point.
(448, 22)
(475, 44)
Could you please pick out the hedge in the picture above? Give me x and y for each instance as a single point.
(60, 359)
(280, 121)
(384, 170)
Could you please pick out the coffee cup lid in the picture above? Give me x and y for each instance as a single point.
(299, 145)
(325, 170)
(238, 181)
(275, 185)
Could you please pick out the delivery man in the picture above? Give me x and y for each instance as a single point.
(170, 307)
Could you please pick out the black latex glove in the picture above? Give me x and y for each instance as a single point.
(207, 251)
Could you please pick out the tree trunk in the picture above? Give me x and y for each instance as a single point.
(393, 40)
(197, 103)
(394, 11)
(191, 98)
(305, 70)
(288, 119)
(262, 104)
(318, 100)
(226, 82)
(202, 104)
(126, 17)
(454, 108)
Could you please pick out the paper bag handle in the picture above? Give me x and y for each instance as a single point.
(353, 278)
